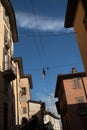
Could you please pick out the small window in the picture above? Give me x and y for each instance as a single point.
(76, 83)
(23, 91)
(23, 99)
(24, 110)
(80, 100)
(82, 109)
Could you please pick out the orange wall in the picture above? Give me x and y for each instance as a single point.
(81, 33)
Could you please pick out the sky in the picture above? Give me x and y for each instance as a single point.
(44, 43)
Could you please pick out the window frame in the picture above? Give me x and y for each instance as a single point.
(76, 83)
(23, 91)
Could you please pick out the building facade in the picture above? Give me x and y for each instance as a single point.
(7, 69)
(17, 88)
(51, 122)
(22, 85)
(26, 85)
(71, 91)
(34, 107)
(14, 83)
(76, 17)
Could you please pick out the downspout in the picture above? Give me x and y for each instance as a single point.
(17, 98)
(84, 87)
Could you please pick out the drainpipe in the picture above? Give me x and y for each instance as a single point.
(17, 98)
(84, 88)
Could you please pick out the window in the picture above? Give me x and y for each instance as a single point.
(24, 110)
(82, 109)
(76, 83)
(23, 91)
(23, 99)
(80, 99)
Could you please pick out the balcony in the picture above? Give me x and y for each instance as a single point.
(7, 44)
(9, 71)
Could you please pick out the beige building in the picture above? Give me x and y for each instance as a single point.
(34, 107)
(8, 35)
(71, 91)
(22, 85)
(51, 121)
(76, 17)
(26, 85)
(17, 88)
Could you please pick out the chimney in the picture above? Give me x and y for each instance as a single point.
(74, 70)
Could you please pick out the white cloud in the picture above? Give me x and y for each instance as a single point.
(40, 23)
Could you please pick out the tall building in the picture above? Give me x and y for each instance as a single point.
(76, 17)
(25, 95)
(17, 88)
(71, 91)
(22, 85)
(8, 36)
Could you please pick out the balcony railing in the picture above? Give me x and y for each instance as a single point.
(7, 21)
(9, 71)
(7, 44)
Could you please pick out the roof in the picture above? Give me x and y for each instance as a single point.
(19, 61)
(71, 11)
(51, 114)
(67, 76)
(10, 12)
(29, 78)
(37, 102)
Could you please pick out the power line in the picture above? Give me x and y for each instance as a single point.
(50, 34)
(47, 35)
(39, 33)
(54, 67)
(33, 31)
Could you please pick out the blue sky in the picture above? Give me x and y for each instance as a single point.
(45, 43)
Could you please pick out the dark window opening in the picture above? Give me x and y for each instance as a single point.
(23, 91)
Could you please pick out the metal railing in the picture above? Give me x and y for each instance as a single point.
(9, 66)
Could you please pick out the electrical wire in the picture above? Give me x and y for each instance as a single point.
(37, 48)
(44, 34)
(54, 67)
(41, 41)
